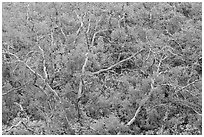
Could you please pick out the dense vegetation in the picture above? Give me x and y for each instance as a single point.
(102, 68)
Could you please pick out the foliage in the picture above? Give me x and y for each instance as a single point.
(102, 68)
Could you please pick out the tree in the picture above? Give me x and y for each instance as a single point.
(101, 68)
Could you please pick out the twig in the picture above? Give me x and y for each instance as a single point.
(186, 86)
(102, 70)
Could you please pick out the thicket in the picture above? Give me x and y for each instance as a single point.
(102, 68)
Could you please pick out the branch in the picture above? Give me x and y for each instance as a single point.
(13, 126)
(34, 72)
(59, 25)
(81, 25)
(52, 37)
(94, 36)
(86, 34)
(81, 21)
(13, 89)
(189, 105)
(102, 70)
(22, 110)
(61, 29)
(81, 80)
(150, 50)
(133, 119)
(143, 101)
(30, 53)
(29, 129)
(186, 103)
(27, 13)
(88, 29)
(163, 72)
(44, 67)
(17, 58)
(53, 91)
(159, 65)
(16, 125)
(19, 106)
